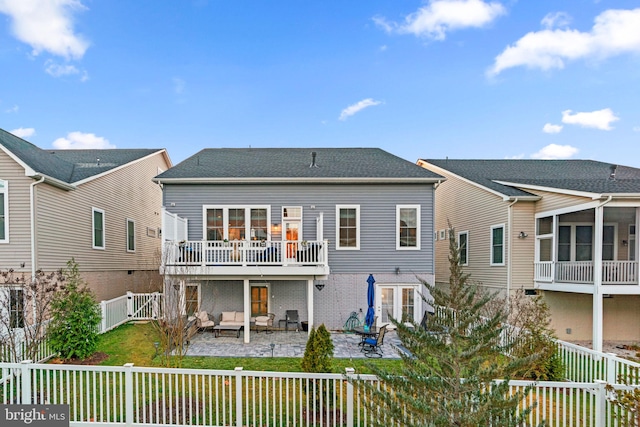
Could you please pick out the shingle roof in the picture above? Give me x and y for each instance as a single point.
(576, 175)
(295, 163)
(69, 166)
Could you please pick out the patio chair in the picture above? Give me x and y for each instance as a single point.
(372, 346)
(292, 317)
(203, 321)
(265, 323)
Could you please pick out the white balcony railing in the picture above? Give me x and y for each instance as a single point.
(613, 272)
(245, 253)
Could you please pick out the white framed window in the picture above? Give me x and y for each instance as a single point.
(442, 236)
(97, 225)
(463, 246)
(497, 244)
(260, 299)
(192, 299)
(236, 222)
(11, 307)
(576, 241)
(348, 227)
(131, 235)
(4, 211)
(632, 242)
(408, 227)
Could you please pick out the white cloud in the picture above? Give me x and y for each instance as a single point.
(23, 132)
(554, 151)
(549, 128)
(57, 70)
(614, 32)
(80, 140)
(600, 119)
(358, 106)
(179, 85)
(46, 25)
(13, 109)
(441, 16)
(556, 20)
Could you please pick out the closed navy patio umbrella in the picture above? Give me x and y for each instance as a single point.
(371, 292)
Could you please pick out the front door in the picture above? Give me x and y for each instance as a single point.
(402, 302)
(292, 236)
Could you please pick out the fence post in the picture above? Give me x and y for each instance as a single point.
(129, 304)
(128, 394)
(25, 374)
(103, 310)
(238, 371)
(600, 407)
(612, 375)
(350, 393)
(154, 305)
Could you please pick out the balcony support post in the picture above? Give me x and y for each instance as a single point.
(247, 310)
(598, 309)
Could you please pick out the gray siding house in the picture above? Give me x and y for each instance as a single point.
(269, 230)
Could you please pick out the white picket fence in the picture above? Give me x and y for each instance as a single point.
(136, 396)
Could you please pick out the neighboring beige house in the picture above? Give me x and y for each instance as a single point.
(563, 227)
(99, 207)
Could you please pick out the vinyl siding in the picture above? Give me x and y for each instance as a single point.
(64, 220)
(18, 250)
(377, 218)
(551, 201)
(523, 250)
(470, 208)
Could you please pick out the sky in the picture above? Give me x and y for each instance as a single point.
(466, 79)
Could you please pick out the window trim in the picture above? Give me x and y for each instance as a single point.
(225, 219)
(418, 224)
(93, 229)
(348, 248)
(466, 250)
(491, 260)
(131, 221)
(4, 190)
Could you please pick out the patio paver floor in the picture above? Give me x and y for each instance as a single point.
(286, 344)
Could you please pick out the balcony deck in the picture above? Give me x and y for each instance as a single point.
(246, 258)
(582, 272)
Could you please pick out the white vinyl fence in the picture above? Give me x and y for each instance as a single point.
(133, 396)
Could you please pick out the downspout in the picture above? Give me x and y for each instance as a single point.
(509, 273)
(32, 214)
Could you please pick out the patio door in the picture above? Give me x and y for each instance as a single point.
(401, 302)
(292, 230)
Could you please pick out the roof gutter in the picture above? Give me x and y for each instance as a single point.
(291, 180)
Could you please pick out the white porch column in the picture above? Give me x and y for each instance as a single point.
(247, 311)
(597, 281)
(310, 304)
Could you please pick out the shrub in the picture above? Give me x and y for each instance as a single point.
(318, 355)
(75, 316)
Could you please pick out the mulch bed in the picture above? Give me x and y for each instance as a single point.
(94, 359)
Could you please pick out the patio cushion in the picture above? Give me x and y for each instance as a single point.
(228, 316)
(239, 316)
(203, 316)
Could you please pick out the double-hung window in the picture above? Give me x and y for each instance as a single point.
(497, 244)
(236, 222)
(348, 227)
(463, 247)
(4, 211)
(408, 227)
(12, 306)
(131, 235)
(98, 228)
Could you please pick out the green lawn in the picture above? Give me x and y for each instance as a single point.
(133, 343)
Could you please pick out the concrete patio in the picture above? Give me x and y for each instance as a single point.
(286, 344)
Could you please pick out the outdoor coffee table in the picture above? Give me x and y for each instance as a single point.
(219, 328)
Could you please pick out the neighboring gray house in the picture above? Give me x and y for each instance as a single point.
(279, 229)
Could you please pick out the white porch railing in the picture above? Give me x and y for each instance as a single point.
(245, 252)
(613, 272)
(185, 397)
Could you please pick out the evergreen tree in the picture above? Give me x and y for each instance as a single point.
(75, 315)
(448, 379)
(318, 354)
